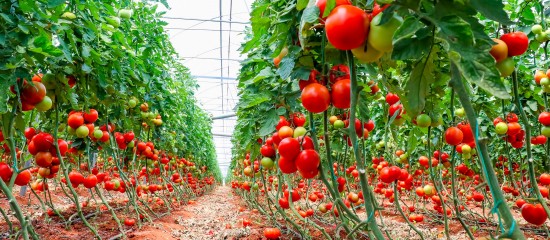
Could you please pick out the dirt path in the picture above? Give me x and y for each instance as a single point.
(216, 215)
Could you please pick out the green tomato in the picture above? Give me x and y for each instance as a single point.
(98, 134)
(125, 13)
(71, 131)
(460, 112)
(299, 131)
(545, 81)
(466, 156)
(541, 37)
(131, 144)
(381, 36)
(546, 88)
(423, 120)
(536, 29)
(367, 54)
(68, 16)
(506, 67)
(45, 105)
(339, 124)
(82, 131)
(113, 21)
(466, 149)
(545, 131)
(132, 103)
(398, 122)
(501, 128)
(267, 163)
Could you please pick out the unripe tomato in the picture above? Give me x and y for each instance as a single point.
(381, 36)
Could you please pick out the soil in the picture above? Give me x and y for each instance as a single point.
(217, 215)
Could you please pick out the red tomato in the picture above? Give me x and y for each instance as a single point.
(340, 94)
(33, 94)
(29, 133)
(338, 72)
(347, 27)
(282, 122)
(129, 222)
(533, 214)
(75, 120)
(91, 116)
(453, 136)
(76, 178)
(5, 172)
(544, 179)
(23, 178)
(315, 98)
(517, 43)
(90, 181)
(298, 119)
(392, 99)
(287, 165)
(42, 142)
(43, 159)
(314, 75)
(544, 118)
(306, 142)
(308, 162)
(267, 151)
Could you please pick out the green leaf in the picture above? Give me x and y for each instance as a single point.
(492, 9)
(281, 111)
(268, 123)
(309, 16)
(411, 40)
(301, 4)
(330, 4)
(418, 85)
(285, 68)
(55, 3)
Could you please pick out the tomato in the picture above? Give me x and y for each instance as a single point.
(282, 122)
(129, 222)
(76, 178)
(454, 136)
(506, 67)
(43, 159)
(539, 75)
(285, 132)
(340, 94)
(369, 125)
(499, 51)
(366, 53)
(33, 94)
(313, 76)
(306, 142)
(392, 99)
(533, 214)
(289, 148)
(267, 163)
(396, 110)
(42, 142)
(544, 118)
(478, 197)
(267, 151)
(272, 233)
(91, 116)
(283, 202)
(544, 179)
(308, 162)
(517, 43)
(5, 172)
(287, 165)
(315, 98)
(295, 195)
(381, 36)
(82, 131)
(299, 131)
(298, 119)
(347, 27)
(513, 128)
(277, 61)
(90, 181)
(75, 120)
(246, 222)
(29, 133)
(45, 105)
(423, 120)
(321, 4)
(501, 128)
(23, 178)
(520, 203)
(338, 72)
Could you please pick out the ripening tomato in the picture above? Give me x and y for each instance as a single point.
(499, 51)
(33, 94)
(539, 75)
(43, 159)
(517, 43)
(347, 27)
(340, 94)
(315, 98)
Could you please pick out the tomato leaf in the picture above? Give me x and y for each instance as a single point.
(309, 16)
(472, 58)
(301, 4)
(492, 9)
(268, 123)
(330, 5)
(285, 67)
(411, 40)
(418, 85)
